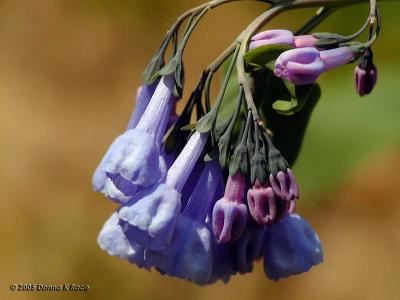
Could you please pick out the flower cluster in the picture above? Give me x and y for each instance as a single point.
(192, 226)
(204, 201)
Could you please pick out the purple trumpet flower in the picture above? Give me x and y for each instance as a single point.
(112, 240)
(151, 214)
(290, 247)
(281, 37)
(303, 65)
(134, 159)
(189, 254)
(230, 213)
(284, 185)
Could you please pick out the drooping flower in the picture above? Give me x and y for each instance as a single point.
(281, 178)
(134, 159)
(290, 247)
(302, 66)
(112, 240)
(229, 216)
(151, 214)
(189, 255)
(281, 37)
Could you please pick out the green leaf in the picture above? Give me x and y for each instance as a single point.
(260, 57)
(288, 130)
(206, 123)
(299, 96)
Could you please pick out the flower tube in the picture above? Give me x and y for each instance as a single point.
(134, 159)
(230, 213)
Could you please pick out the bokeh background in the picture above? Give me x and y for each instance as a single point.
(68, 74)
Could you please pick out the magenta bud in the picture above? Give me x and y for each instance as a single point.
(262, 205)
(229, 216)
(365, 79)
(284, 185)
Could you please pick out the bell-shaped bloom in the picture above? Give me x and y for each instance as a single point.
(365, 79)
(113, 240)
(281, 37)
(229, 216)
(189, 254)
(290, 247)
(302, 66)
(134, 159)
(284, 185)
(248, 248)
(151, 214)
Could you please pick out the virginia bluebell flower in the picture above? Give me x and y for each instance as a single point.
(281, 37)
(112, 240)
(133, 160)
(290, 247)
(230, 213)
(303, 65)
(189, 254)
(151, 214)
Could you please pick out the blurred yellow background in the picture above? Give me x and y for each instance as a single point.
(69, 71)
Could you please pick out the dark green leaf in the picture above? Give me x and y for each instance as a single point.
(206, 123)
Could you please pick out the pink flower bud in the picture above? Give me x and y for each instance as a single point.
(365, 79)
(272, 37)
(303, 65)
